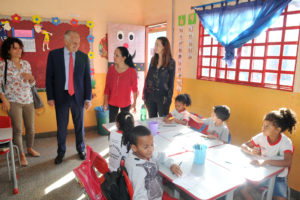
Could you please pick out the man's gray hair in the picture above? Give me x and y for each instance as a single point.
(67, 34)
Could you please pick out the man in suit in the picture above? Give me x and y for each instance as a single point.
(68, 86)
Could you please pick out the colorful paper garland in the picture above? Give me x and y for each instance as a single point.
(55, 21)
(16, 18)
(36, 19)
(74, 22)
(90, 38)
(91, 55)
(90, 24)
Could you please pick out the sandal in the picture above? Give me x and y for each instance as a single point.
(33, 153)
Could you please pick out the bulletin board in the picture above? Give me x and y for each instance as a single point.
(38, 59)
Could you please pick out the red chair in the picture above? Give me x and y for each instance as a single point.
(87, 177)
(200, 127)
(5, 122)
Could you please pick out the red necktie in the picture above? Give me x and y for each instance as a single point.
(71, 81)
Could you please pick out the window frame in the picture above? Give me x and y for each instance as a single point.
(238, 57)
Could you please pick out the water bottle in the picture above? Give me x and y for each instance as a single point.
(143, 113)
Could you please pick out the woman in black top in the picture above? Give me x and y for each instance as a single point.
(159, 84)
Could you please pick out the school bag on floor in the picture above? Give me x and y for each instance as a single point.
(117, 185)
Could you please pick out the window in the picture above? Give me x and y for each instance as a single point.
(267, 61)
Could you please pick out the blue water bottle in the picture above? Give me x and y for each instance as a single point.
(143, 113)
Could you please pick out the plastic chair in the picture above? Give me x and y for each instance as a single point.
(5, 150)
(200, 127)
(229, 138)
(265, 190)
(87, 177)
(5, 122)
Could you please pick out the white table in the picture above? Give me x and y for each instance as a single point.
(6, 136)
(207, 181)
(234, 159)
(173, 139)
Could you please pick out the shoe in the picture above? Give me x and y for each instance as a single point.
(23, 160)
(33, 153)
(58, 159)
(82, 155)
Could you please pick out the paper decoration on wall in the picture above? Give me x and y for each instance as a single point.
(181, 20)
(180, 58)
(24, 29)
(55, 21)
(15, 18)
(46, 41)
(90, 38)
(36, 19)
(191, 41)
(192, 18)
(4, 27)
(103, 47)
(91, 55)
(74, 22)
(90, 24)
(27, 37)
(129, 36)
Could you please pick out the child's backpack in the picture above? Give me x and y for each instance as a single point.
(117, 185)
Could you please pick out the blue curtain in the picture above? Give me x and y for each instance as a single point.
(235, 25)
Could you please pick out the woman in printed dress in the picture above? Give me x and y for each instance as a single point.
(15, 92)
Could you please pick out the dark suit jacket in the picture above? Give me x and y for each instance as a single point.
(55, 77)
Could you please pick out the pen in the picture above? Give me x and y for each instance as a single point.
(177, 134)
(180, 163)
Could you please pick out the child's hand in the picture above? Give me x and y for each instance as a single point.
(212, 136)
(255, 151)
(168, 120)
(176, 170)
(258, 163)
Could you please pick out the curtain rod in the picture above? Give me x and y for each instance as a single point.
(211, 4)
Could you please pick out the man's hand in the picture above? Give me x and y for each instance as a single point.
(87, 105)
(51, 103)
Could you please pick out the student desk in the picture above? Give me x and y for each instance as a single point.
(6, 136)
(232, 158)
(202, 182)
(173, 139)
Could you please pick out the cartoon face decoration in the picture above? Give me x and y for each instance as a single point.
(129, 36)
(37, 28)
(6, 26)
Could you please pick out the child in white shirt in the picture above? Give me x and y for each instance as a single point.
(119, 139)
(142, 165)
(275, 147)
(180, 115)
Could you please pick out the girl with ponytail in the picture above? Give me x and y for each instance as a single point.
(121, 80)
(275, 147)
(119, 140)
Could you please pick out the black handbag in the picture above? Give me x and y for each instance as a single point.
(37, 101)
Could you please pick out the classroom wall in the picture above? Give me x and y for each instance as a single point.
(100, 12)
(248, 104)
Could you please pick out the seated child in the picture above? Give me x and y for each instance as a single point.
(119, 139)
(179, 115)
(275, 146)
(217, 127)
(142, 165)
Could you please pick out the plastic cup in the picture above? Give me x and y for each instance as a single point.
(153, 126)
(199, 153)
